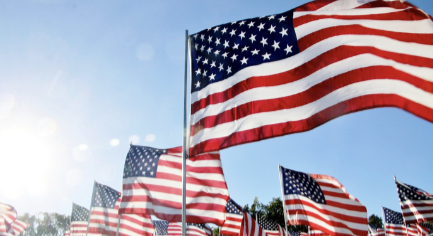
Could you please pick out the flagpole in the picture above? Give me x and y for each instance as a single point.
(118, 224)
(184, 144)
(282, 199)
(91, 204)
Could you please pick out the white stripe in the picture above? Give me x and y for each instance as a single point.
(344, 4)
(314, 220)
(378, 86)
(349, 12)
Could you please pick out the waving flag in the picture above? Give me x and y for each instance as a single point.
(161, 227)
(291, 72)
(427, 226)
(374, 231)
(394, 223)
(250, 226)
(136, 225)
(79, 220)
(232, 224)
(152, 184)
(416, 204)
(198, 230)
(412, 230)
(271, 228)
(322, 203)
(8, 213)
(174, 228)
(17, 227)
(422, 231)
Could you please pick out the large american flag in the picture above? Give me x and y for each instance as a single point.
(322, 203)
(232, 224)
(374, 231)
(79, 220)
(152, 184)
(394, 223)
(416, 204)
(271, 228)
(291, 72)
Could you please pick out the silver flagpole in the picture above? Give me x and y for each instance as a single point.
(282, 199)
(184, 144)
(91, 204)
(118, 224)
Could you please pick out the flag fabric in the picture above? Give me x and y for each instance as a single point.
(296, 233)
(17, 227)
(416, 204)
(234, 216)
(135, 225)
(374, 231)
(271, 228)
(192, 229)
(423, 230)
(3, 229)
(174, 228)
(265, 77)
(8, 213)
(79, 220)
(394, 223)
(67, 232)
(250, 226)
(412, 230)
(322, 203)
(316, 232)
(427, 226)
(152, 184)
(161, 227)
(104, 215)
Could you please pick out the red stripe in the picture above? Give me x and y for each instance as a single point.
(328, 232)
(313, 6)
(394, 4)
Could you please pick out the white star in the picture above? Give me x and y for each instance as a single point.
(196, 46)
(266, 56)
(209, 50)
(212, 64)
(205, 61)
(197, 85)
(271, 17)
(261, 26)
(242, 22)
(216, 52)
(212, 77)
(288, 49)
(198, 59)
(221, 67)
(253, 38)
(244, 61)
(276, 45)
(217, 41)
(229, 70)
(234, 22)
(245, 48)
(234, 57)
(264, 41)
(283, 32)
(209, 39)
(283, 18)
(223, 31)
(225, 55)
(236, 46)
(226, 44)
(195, 36)
(216, 29)
(233, 32)
(255, 52)
(204, 73)
(202, 48)
(251, 24)
(242, 35)
(197, 72)
(272, 29)
(202, 37)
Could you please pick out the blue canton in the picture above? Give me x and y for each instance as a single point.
(267, 225)
(161, 227)
(142, 161)
(233, 208)
(200, 226)
(302, 184)
(392, 217)
(219, 52)
(105, 196)
(79, 213)
(408, 192)
(294, 233)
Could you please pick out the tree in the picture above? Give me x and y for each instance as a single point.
(376, 221)
(44, 223)
(216, 231)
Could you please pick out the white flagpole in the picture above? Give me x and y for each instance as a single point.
(184, 141)
(282, 198)
(118, 225)
(91, 204)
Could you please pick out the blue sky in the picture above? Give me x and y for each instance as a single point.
(80, 80)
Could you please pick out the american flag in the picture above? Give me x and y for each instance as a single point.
(265, 77)
(232, 224)
(416, 204)
(394, 223)
(374, 231)
(79, 220)
(104, 215)
(17, 227)
(161, 227)
(250, 226)
(152, 184)
(422, 230)
(322, 203)
(8, 213)
(296, 233)
(271, 228)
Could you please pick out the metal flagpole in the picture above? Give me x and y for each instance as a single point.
(282, 199)
(91, 204)
(118, 224)
(184, 144)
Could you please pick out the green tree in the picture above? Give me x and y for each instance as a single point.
(216, 231)
(44, 224)
(375, 220)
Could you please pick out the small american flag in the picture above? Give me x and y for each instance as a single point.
(322, 203)
(374, 231)
(161, 227)
(232, 224)
(79, 220)
(416, 204)
(271, 228)
(152, 184)
(394, 223)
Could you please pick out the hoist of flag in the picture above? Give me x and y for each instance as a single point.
(422, 231)
(374, 231)
(271, 228)
(291, 72)
(8, 213)
(104, 215)
(152, 184)
(250, 227)
(394, 223)
(427, 226)
(135, 225)
(79, 220)
(17, 227)
(416, 204)
(234, 216)
(322, 203)
(161, 227)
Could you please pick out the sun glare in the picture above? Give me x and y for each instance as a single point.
(26, 160)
